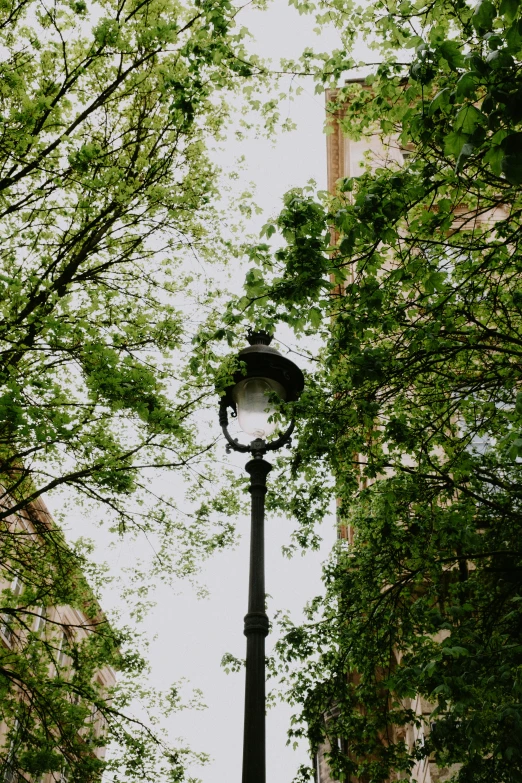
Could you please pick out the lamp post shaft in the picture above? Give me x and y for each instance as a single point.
(261, 363)
(256, 629)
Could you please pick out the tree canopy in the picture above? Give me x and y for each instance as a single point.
(411, 273)
(107, 188)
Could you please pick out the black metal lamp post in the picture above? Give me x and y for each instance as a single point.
(267, 372)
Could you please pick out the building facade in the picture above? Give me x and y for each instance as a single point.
(346, 158)
(39, 644)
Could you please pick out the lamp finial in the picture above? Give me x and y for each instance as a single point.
(259, 337)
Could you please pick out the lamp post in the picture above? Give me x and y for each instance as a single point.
(267, 372)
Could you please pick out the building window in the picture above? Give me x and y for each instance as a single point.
(6, 631)
(407, 152)
(62, 657)
(10, 771)
(11, 774)
(6, 619)
(39, 620)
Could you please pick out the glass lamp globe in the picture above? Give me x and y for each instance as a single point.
(254, 408)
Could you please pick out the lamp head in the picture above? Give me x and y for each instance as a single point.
(267, 372)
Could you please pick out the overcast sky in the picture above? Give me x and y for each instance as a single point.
(204, 630)
(192, 634)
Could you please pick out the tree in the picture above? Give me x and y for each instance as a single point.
(416, 404)
(106, 187)
(60, 704)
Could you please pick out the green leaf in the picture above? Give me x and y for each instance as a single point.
(268, 230)
(483, 15)
(452, 53)
(488, 104)
(440, 101)
(512, 161)
(511, 166)
(514, 37)
(455, 651)
(316, 317)
(465, 153)
(467, 85)
(468, 118)
(494, 156)
(454, 142)
(509, 9)
(500, 58)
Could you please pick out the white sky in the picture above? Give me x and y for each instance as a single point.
(192, 634)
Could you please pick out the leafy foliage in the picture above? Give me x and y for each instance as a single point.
(106, 188)
(411, 272)
(60, 703)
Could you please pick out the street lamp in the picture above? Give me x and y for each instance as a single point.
(267, 373)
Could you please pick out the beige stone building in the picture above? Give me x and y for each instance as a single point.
(57, 626)
(346, 158)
